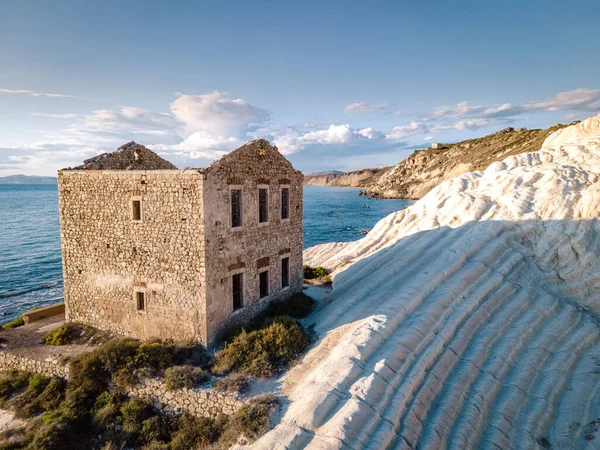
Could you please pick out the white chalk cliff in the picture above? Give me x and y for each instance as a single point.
(468, 320)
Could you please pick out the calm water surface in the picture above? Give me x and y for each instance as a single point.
(30, 257)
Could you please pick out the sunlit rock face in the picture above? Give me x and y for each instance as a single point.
(468, 320)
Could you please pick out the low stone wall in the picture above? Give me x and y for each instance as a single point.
(42, 313)
(199, 403)
(49, 368)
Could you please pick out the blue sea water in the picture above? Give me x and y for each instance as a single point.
(30, 255)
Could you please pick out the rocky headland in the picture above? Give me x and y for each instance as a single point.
(423, 170)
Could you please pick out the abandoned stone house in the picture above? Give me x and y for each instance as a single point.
(153, 251)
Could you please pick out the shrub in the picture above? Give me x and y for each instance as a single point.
(155, 355)
(156, 428)
(184, 377)
(263, 352)
(27, 404)
(314, 273)
(191, 354)
(195, 432)
(297, 306)
(72, 333)
(12, 382)
(234, 383)
(53, 394)
(251, 421)
(18, 322)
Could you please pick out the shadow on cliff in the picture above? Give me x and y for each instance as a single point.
(431, 273)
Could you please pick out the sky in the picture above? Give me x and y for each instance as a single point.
(336, 85)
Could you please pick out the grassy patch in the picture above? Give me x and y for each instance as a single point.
(264, 351)
(179, 377)
(73, 333)
(18, 322)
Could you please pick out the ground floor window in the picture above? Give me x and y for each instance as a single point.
(238, 290)
(263, 280)
(140, 300)
(285, 272)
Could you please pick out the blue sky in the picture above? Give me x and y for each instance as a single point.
(336, 85)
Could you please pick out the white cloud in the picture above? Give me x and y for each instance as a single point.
(371, 133)
(290, 140)
(363, 107)
(217, 116)
(403, 131)
(37, 94)
(575, 100)
(56, 116)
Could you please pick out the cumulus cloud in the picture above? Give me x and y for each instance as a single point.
(37, 94)
(412, 129)
(290, 139)
(216, 115)
(212, 124)
(363, 107)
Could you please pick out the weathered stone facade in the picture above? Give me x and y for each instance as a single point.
(163, 240)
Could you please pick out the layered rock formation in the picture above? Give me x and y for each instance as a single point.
(358, 178)
(468, 320)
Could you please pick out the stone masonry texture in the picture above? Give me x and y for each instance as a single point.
(181, 252)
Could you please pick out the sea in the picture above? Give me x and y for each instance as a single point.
(30, 255)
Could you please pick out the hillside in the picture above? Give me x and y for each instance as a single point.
(27, 179)
(425, 169)
(468, 320)
(358, 178)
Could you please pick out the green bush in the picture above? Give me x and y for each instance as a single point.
(297, 306)
(156, 429)
(314, 273)
(179, 377)
(234, 383)
(27, 404)
(11, 382)
(18, 322)
(251, 420)
(73, 333)
(195, 433)
(53, 394)
(263, 352)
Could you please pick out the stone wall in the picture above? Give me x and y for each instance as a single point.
(49, 368)
(107, 256)
(200, 403)
(254, 246)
